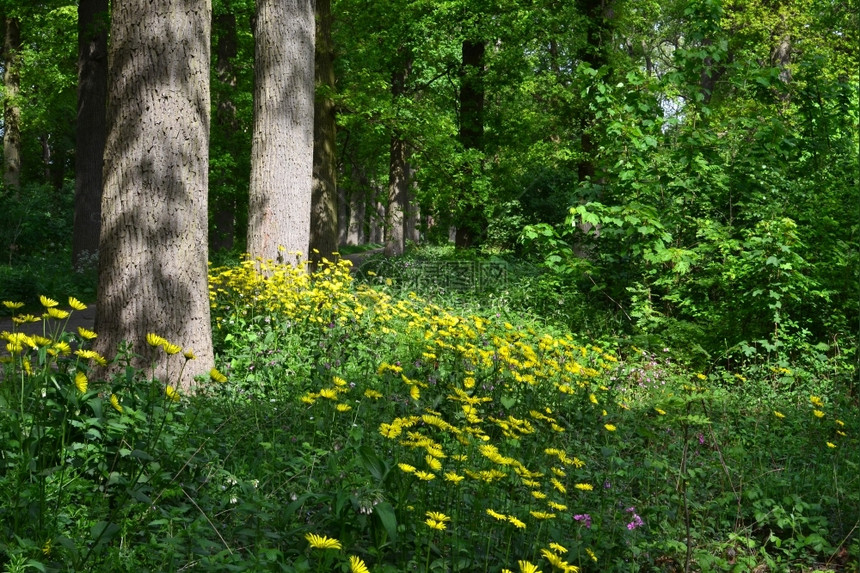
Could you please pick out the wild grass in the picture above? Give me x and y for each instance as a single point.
(362, 427)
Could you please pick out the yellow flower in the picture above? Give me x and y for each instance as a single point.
(816, 401)
(778, 414)
(356, 565)
(343, 407)
(114, 401)
(76, 304)
(497, 515)
(414, 392)
(86, 334)
(189, 355)
(338, 381)
(831, 445)
(171, 348)
(25, 318)
(58, 314)
(610, 427)
(172, 393)
(438, 516)
(329, 393)
(12, 305)
(217, 376)
(659, 411)
(453, 477)
(591, 554)
(434, 524)
(701, 376)
(538, 495)
(372, 394)
(425, 476)
(557, 548)
(840, 423)
(434, 464)
(81, 382)
(47, 302)
(557, 506)
(407, 468)
(322, 542)
(592, 398)
(516, 522)
(584, 486)
(526, 567)
(818, 413)
(154, 340)
(542, 514)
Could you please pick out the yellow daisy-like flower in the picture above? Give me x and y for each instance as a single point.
(114, 401)
(840, 423)
(415, 392)
(818, 413)
(47, 302)
(343, 407)
(816, 401)
(497, 515)
(172, 393)
(438, 516)
(542, 514)
(63, 347)
(25, 318)
(217, 376)
(453, 477)
(526, 567)
(516, 522)
(558, 548)
(407, 468)
(610, 427)
(591, 554)
(554, 559)
(12, 305)
(81, 382)
(778, 414)
(154, 340)
(171, 348)
(557, 506)
(659, 411)
(356, 565)
(322, 542)
(538, 495)
(329, 393)
(831, 445)
(701, 376)
(425, 476)
(372, 394)
(189, 355)
(433, 524)
(57, 313)
(86, 334)
(584, 486)
(338, 381)
(76, 304)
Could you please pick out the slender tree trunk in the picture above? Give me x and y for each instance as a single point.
(342, 216)
(11, 106)
(153, 248)
(90, 131)
(398, 182)
(223, 200)
(283, 138)
(324, 212)
(413, 212)
(471, 134)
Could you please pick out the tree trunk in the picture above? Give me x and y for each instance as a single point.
(471, 134)
(11, 106)
(222, 199)
(283, 139)
(398, 182)
(153, 248)
(91, 130)
(324, 213)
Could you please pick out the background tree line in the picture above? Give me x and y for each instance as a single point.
(691, 167)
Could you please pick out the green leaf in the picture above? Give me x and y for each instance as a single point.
(385, 512)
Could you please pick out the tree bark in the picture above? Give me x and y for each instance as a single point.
(398, 171)
(282, 144)
(324, 198)
(11, 106)
(471, 134)
(153, 248)
(223, 200)
(91, 130)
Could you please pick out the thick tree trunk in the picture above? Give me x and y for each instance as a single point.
(471, 220)
(223, 203)
(324, 211)
(11, 106)
(283, 139)
(91, 130)
(153, 248)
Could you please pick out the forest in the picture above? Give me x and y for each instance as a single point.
(430, 285)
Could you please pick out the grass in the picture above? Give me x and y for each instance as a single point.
(365, 427)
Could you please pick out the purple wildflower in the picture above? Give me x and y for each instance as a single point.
(584, 517)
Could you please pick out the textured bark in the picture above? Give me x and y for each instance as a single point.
(282, 144)
(324, 211)
(11, 107)
(91, 129)
(153, 248)
(413, 212)
(224, 205)
(471, 134)
(398, 171)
